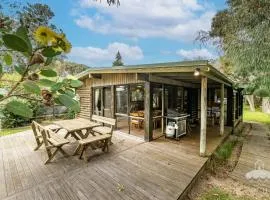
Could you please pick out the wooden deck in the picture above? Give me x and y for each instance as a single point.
(256, 149)
(133, 169)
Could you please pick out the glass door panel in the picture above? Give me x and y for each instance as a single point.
(121, 99)
(97, 101)
(136, 114)
(107, 102)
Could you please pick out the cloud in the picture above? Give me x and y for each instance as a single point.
(98, 56)
(196, 54)
(172, 19)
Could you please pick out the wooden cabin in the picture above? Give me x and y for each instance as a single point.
(144, 98)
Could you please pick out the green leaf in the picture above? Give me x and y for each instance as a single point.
(70, 93)
(31, 86)
(48, 61)
(19, 69)
(48, 73)
(56, 87)
(1, 69)
(8, 59)
(76, 83)
(46, 82)
(50, 52)
(68, 102)
(19, 108)
(23, 33)
(16, 43)
(61, 91)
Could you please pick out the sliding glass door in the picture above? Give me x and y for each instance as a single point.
(102, 101)
(121, 103)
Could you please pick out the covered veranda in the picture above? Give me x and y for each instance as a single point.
(143, 97)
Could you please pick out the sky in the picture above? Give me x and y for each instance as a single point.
(143, 31)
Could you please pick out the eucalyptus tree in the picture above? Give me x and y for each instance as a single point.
(242, 32)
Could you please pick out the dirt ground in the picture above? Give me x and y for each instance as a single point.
(220, 178)
(208, 182)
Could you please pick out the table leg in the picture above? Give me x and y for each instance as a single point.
(73, 134)
(80, 134)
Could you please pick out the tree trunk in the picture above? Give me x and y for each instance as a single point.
(266, 105)
(250, 99)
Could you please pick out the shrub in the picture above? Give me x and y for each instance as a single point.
(10, 120)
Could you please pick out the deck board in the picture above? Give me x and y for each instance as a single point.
(161, 169)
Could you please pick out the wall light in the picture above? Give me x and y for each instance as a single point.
(197, 72)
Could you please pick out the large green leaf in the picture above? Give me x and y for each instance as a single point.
(76, 83)
(56, 87)
(50, 52)
(69, 102)
(19, 108)
(19, 69)
(23, 33)
(16, 43)
(48, 73)
(8, 59)
(31, 86)
(70, 93)
(46, 82)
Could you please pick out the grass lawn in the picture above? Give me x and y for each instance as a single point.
(9, 131)
(256, 116)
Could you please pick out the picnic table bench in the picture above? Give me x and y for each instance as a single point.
(100, 135)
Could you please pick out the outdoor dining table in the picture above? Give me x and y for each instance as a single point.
(75, 127)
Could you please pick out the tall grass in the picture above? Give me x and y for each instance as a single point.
(225, 151)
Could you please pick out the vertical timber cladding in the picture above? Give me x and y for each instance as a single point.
(85, 93)
(85, 96)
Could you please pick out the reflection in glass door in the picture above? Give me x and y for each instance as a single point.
(121, 99)
(107, 97)
(157, 111)
(97, 101)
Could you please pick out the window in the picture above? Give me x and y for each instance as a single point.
(107, 101)
(121, 99)
(137, 98)
(97, 101)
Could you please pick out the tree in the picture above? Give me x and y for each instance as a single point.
(118, 60)
(34, 52)
(242, 32)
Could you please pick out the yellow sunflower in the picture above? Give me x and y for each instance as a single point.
(63, 43)
(44, 35)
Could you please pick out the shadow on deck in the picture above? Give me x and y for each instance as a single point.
(133, 169)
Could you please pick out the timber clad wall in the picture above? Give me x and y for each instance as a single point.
(85, 102)
(113, 79)
(85, 92)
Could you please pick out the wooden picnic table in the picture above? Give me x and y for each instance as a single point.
(75, 127)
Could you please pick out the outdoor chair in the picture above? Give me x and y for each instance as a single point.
(37, 133)
(51, 141)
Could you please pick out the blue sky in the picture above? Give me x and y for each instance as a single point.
(144, 31)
